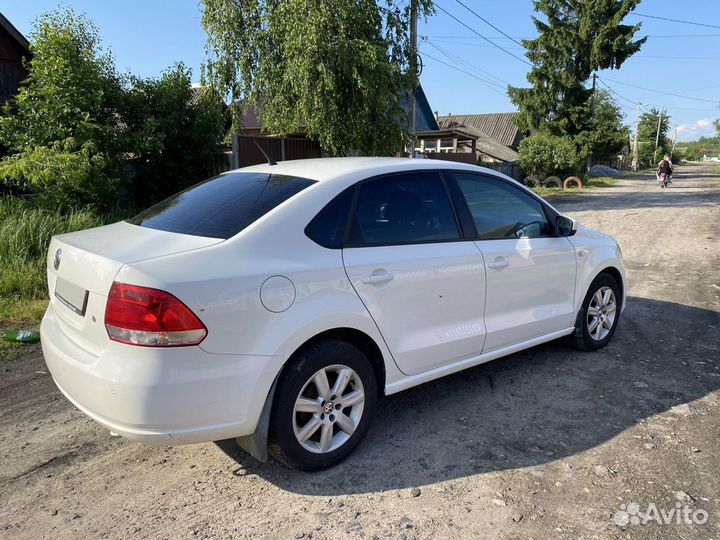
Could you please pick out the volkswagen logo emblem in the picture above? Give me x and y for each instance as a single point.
(58, 258)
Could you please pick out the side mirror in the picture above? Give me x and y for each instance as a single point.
(566, 226)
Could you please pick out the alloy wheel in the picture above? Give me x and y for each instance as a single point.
(601, 313)
(328, 409)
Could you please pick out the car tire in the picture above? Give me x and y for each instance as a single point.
(312, 428)
(599, 315)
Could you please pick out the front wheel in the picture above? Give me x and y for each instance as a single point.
(323, 405)
(600, 314)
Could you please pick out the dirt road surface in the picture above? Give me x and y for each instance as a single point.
(546, 443)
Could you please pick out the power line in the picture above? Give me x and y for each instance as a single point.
(455, 58)
(465, 72)
(675, 20)
(676, 57)
(489, 23)
(614, 92)
(674, 108)
(467, 43)
(480, 35)
(655, 90)
(534, 37)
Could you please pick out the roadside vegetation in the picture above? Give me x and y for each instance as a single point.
(572, 122)
(590, 185)
(26, 227)
(82, 145)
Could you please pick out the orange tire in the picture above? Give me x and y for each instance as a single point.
(569, 180)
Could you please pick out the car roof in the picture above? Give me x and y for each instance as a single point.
(328, 169)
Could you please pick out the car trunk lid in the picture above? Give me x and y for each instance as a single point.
(82, 266)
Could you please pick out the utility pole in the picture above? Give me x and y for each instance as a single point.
(413, 69)
(636, 145)
(588, 163)
(657, 136)
(674, 140)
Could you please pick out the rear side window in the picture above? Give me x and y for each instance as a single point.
(328, 227)
(406, 208)
(222, 206)
(500, 210)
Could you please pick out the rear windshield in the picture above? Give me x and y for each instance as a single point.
(222, 206)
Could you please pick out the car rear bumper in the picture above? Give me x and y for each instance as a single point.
(160, 395)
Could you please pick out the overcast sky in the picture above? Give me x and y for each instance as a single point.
(147, 36)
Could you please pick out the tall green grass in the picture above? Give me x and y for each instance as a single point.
(25, 232)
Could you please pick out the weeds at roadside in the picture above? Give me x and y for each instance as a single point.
(25, 233)
(590, 185)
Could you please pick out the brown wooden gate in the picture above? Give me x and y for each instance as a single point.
(246, 151)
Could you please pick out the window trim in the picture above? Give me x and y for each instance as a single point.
(550, 215)
(461, 211)
(438, 172)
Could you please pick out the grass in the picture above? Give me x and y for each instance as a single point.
(25, 233)
(590, 185)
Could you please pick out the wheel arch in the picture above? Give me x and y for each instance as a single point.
(256, 443)
(356, 338)
(613, 272)
(618, 277)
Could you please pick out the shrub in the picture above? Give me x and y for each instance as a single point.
(79, 133)
(543, 155)
(63, 132)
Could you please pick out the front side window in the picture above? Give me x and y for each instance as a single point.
(406, 208)
(222, 206)
(500, 210)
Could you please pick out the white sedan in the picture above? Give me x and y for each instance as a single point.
(277, 303)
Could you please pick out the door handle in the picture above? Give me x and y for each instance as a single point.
(499, 263)
(379, 277)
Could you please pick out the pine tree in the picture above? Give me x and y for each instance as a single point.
(579, 37)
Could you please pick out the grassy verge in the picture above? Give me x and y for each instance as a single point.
(25, 233)
(590, 185)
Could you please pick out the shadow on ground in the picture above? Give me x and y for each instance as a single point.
(526, 409)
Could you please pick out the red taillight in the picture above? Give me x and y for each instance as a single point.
(150, 317)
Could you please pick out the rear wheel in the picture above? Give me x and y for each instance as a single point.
(323, 405)
(600, 314)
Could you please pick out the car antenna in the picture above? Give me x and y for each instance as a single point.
(268, 158)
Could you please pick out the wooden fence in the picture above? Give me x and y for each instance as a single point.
(245, 149)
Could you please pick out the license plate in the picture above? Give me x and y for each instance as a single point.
(74, 297)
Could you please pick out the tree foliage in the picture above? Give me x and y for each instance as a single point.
(704, 146)
(648, 131)
(63, 133)
(80, 133)
(336, 70)
(577, 38)
(607, 135)
(174, 131)
(543, 155)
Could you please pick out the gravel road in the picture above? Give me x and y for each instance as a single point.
(549, 442)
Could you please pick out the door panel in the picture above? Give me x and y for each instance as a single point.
(427, 299)
(530, 288)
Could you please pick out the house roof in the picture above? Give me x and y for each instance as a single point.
(483, 142)
(15, 34)
(499, 126)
